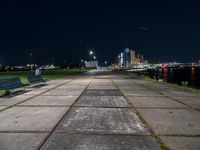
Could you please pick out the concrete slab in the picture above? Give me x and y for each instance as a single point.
(122, 80)
(20, 141)
(58, 82)
(30, 118)
(141, 81)
(179, 93)
(135, 88)
(102, 87)
(126, 84)
(182, 143)
(173, 121)
(36, 92)
(101, 84)
(100, 142)
(102, 120)
(63, 92)
(101, 80)
(191, 101)
(102, 101)
(161, 87)
(102, 92)
(50, 86)
(78, 83)
(14, 100)
(146, 93)
(2, 107)
(70, 87)
(155, 102)
(50, 101)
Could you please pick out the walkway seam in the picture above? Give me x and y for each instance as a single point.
(34, 96)
(45, 140)
(150, 129)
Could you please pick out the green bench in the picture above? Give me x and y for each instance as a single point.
(36, 79)
(11, 84)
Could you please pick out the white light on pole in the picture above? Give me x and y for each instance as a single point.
(94, 57)
(91, 52)
(106, 63)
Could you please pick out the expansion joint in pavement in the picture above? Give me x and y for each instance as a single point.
(178, 101)
(16, 104)
(61, 119)
(148, 126)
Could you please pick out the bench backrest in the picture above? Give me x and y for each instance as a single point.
(34, 79)
(10, 83)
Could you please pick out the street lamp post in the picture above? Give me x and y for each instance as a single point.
(106, 63)
(31, 55)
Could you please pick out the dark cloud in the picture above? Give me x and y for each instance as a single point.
(142, 28)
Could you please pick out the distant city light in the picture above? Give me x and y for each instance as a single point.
(126, 50)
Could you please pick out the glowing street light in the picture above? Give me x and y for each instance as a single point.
(91, 52)
(94, 57)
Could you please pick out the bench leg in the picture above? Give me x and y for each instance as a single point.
(11, 92)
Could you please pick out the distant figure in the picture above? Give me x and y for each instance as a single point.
(37, 72)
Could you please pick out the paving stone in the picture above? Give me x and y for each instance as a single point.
(78, 83)
(126, 84)
(123, 81)
(30, 118)
(101, 84)
(102, 87)
(102, 101)
(141, 81)
(20, 141)
(159, 102)
(64, 92)
(179, 93)
(100, 142)
(2, 107)
(51, 101)
(191, 101)
(173, 121)
(35, 92)
(58, 82)
(136, 88)
(182, 143)
(102, 120)
(140, 93)
(132, 82)
(50, 86)
(100, 80)
(160, 87)
(71, 87)
(14, 100)
(102, 92)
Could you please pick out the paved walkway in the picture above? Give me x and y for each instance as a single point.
(100, 111)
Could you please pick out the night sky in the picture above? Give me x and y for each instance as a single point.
(160, 30)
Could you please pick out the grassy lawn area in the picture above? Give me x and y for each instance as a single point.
(47, 75)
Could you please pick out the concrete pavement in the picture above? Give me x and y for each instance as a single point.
(100, 111)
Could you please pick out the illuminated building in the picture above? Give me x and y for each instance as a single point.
(128, 58)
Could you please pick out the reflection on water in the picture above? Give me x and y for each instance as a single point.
(179, 75)
(165, 74)
(193, 73)
(175, 75)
